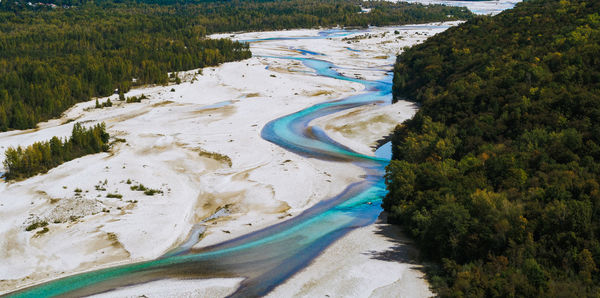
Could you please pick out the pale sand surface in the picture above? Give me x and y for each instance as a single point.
(167, 138)
(175, 288)
(373, 261)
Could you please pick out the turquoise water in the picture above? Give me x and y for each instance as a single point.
(293, 132)
(216, 105)
(307, 52)
(268, 257)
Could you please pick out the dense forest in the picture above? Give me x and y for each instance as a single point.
(42, 156)
(50, 60)
(54, 56)
(497, 176)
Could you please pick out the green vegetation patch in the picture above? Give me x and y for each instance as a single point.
(497, 176)
(135, 99)
(105, 104)
(147, 191)
(216, 156)
(40, 157)
(35, 225)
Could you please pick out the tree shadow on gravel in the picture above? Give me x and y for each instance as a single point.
(402, 250)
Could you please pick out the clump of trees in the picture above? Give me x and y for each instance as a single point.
(135, 99)
(105, 104)
(40, 157)
(497, 177)
(52, 58)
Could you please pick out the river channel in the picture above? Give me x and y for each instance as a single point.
(268, 257)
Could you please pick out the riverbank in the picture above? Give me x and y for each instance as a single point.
(373, 261)
(198, 145)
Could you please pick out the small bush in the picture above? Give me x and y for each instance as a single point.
(216, 156)
(139, 187)
(36, 225)
(135, 99)
(147, 191)
(151, 192)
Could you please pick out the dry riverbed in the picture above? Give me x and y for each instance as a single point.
(197, 147)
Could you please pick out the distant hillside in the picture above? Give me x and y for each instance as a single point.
(55, 55)
(497, 177)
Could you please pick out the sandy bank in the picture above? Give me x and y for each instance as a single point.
(198, 144)
(374, 261)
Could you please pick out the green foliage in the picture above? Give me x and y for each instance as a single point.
(35, 225)
(216, 156)
(174, 77)
(496, 177)
(105, 104)
(134, 99)
(151, 192)
(139, 187)
(147, 191)
(40, 157)
(51, 59)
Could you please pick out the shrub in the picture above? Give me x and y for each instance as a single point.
(36, 225)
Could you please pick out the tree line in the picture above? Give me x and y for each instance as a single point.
(39, 157)
(497, 176)
(52, 58)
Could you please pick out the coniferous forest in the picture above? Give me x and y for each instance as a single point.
(52, 58)
(42, 156)
(497, 176)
